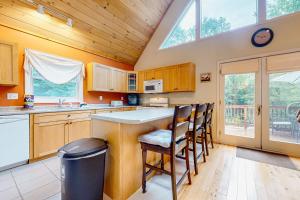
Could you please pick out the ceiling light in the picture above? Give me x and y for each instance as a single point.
(70, 22)
(40, 9)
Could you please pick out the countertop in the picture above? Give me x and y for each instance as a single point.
(19, 110)
(136, 116)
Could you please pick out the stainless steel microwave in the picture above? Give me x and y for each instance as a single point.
(153, 86)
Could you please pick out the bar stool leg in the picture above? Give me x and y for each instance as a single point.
(206, 145)
(162, 162)
(144, 155)
(187, 162)
(195, 155)
(211, 138)
(203, 150)
(173, 177)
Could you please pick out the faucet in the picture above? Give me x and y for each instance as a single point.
(61, 102)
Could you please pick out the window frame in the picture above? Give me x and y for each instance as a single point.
(261, 20)
(41, 99)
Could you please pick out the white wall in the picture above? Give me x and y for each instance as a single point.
(207, 52)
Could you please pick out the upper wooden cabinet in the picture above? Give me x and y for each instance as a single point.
(104, 78)
(176, 78)
(132, 82)
(8, 64)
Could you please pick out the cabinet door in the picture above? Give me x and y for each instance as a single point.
(141, 79)
(173, 79)
(49, 137)
(163, 74)
(79, 129)
(8, 64)
(118, 81)
(186, 77)
(149, 74)
(132, 82)
(102, 77)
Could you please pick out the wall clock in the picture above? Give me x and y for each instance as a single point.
(262, 37)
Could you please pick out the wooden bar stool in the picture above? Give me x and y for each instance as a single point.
(208, 128)
(197, 133)
(168, 142)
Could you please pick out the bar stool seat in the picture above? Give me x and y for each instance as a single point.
(161, 138)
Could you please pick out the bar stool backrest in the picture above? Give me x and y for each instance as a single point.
(199, 117)
(181, 120)
(210, 108)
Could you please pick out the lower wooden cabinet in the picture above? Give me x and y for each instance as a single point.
(49, 137)
(79, 129)
(53, 130)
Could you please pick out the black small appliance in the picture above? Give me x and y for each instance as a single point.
(133, 99)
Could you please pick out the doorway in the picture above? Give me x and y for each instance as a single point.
(259, 102)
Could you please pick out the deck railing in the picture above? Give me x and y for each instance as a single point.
(243, 115)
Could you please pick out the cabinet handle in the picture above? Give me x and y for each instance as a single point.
(70, 122)
(69, 115)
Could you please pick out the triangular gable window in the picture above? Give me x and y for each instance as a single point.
(185, 29)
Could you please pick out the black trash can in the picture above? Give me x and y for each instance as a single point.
(82, 169)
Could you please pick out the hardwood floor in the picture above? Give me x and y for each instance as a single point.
(225, 176)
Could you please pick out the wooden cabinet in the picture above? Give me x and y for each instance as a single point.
(176, 78)
(186, 77)
(53, 130)
(78, 129)
(118, 81)
(141, 79)
(49, 137)
(8, 64)
(105, 78)
(132, 82)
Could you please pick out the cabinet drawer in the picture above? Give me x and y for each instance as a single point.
(60, 116)
(109, 110)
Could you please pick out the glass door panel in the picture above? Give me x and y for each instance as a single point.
(239, 100)
(284, 104)
(240, 95)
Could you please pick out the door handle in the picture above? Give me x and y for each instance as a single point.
(258, 109)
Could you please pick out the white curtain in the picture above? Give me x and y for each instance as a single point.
(55, 69)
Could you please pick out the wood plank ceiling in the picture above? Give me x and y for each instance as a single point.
(116, 29)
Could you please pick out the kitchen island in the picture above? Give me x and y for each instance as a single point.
(124, 161)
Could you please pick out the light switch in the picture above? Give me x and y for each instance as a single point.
(122, 98)
(100, 98)
(12, 96)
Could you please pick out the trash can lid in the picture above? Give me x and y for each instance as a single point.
(83, 147)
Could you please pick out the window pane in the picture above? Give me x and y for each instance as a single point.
(276, 8)
(44, 88)
(184, 30)
(219, 16)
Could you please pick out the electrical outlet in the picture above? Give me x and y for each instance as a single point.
(100, 98)
(12, 96)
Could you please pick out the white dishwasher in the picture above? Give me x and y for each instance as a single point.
(14, 141)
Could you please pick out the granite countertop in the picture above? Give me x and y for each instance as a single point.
(19, 110)
(137, 116)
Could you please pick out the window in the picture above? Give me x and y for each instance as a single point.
(276, 8)
(46, 91)
(219, 16)
(184, 30)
